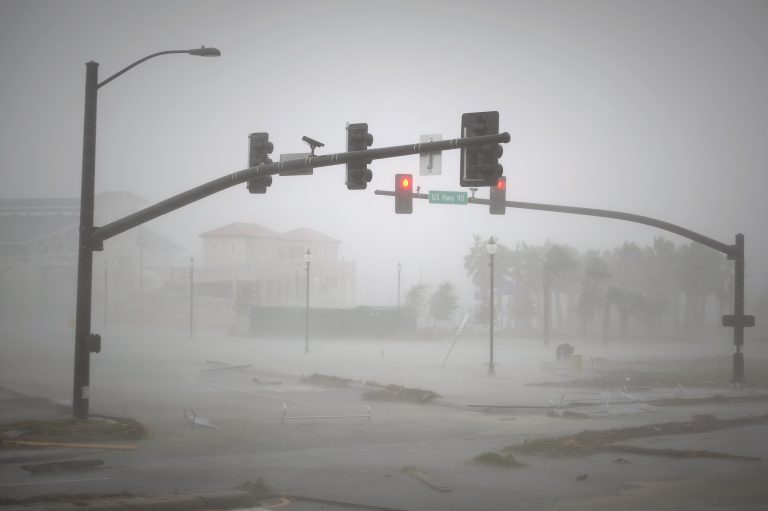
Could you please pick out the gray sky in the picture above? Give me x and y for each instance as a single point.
(654, 108)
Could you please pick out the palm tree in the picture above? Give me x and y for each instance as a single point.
(595, 273)
(558, 260)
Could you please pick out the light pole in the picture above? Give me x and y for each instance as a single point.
(84, 344)
(141, 242)
(308, 260)
(106, 284)
(399, 271)
(296, 285)
(491, 248)
(191, 297)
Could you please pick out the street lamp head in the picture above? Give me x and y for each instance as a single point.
(491, 246)
(399, 266)
(308, 256)
(205, 52)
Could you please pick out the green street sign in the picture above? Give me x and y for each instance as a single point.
(440, 197)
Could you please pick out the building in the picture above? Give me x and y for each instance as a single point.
(38, 259)
(253, 265)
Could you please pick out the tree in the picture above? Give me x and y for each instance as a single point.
(416, 298)
(477, 265)
(558, 260)
(595, 273)
(444, 302)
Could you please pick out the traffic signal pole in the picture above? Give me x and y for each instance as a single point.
(738, 320)
(99, 234)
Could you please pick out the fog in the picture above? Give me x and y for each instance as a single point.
(654, 108)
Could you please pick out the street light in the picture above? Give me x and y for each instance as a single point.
(141, 242)
(491, 248)
(399, 270)
(308, 260)
(86, 246)
(191, 296)
(106, 284)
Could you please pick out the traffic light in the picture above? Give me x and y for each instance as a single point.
(404, 194)
(498, 202)
(358, 173)
(258, 154)
(480, 164)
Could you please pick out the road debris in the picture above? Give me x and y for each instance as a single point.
(259, 382)
(191, 418)
(62, 466)
(398, 393)
(225, 368)
(323, 419)
(430, 480)
(681, 453)
(327, 381)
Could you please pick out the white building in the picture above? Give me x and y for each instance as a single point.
(254, 265)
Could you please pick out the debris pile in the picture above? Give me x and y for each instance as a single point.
(327, 381)
(398, 393)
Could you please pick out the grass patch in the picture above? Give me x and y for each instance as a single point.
(588, 441)
(497, 460)
(94, 429)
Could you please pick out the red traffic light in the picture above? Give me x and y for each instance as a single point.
(403, 194)
(501, 184)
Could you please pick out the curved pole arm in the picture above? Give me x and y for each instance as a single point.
(202, 52)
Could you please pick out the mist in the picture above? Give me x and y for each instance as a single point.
(652, 108)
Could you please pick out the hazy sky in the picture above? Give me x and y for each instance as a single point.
(655, 108)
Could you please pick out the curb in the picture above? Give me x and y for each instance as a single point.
(228, 499)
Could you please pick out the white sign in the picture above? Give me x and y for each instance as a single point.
(430, 163)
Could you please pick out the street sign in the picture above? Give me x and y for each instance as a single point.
(440, 197)
(430, 163)
(746, 320)
(295, 156)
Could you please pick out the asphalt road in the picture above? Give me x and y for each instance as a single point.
(332, 451)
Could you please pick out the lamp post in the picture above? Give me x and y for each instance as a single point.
(308, 260)
(83, 344)
(399, 271)
(491, 248)
(141, 242)
(191, 297)
(106, 288)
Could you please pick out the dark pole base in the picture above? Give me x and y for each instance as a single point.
(738, 368)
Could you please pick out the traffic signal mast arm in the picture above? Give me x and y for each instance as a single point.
(99, 234)
(729, 250)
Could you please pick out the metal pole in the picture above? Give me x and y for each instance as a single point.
(106, 295)
(141, 278)
(491, 369)
(81, 383)
(399, 270)
(306, 316)
(191, 297)
(222, 183)
(738, 311)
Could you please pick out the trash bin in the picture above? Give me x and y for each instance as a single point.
(575, 363)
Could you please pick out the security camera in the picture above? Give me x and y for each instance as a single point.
(313, 144)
